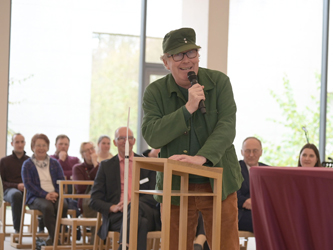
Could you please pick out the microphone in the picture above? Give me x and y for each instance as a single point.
(194, 79)
(306, 133)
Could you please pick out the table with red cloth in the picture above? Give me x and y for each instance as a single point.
(292, 208)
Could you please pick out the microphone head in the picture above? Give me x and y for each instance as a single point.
(305, 130)
(192, 77)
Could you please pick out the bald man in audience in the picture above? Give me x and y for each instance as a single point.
(251, 151)
(107, 195)
(13, 187)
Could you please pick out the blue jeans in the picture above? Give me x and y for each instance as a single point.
(15, 197)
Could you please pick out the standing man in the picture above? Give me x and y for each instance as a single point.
(10, 168)
(108, 193)
(251, 151)
(61, 155)
(173, 123)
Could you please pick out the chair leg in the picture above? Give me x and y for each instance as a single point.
(115, 240)
(34, 230)
(74, 234)
(149, 244)
(156, 244)
(2, 239)
(3, 218)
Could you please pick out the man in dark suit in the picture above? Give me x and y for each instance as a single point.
(108, 192)
(251, 151)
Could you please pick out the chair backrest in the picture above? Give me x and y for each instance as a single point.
(74, 195)
(63, 195)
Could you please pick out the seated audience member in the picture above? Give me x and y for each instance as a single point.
(104, 145)
(61, 155)
(13, 187)
(309, 156)
(86, 171)
(251, 151)
(40, 174)
(108, 193)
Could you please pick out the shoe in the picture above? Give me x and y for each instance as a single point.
(197, 246)
(49, 241)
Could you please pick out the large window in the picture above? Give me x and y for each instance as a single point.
(53, 44)
(274, 64)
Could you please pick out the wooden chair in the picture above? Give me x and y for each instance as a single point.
(153, 238)
(111, 239)
(16, 239)
(3, 218)
(72, 222)
(245, 235)
(3, 215)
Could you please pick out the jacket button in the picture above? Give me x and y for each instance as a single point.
(185, 133)
(185, 151)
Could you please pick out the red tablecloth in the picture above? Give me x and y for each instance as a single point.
(292, 208)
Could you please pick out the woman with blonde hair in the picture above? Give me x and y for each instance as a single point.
(104, 145)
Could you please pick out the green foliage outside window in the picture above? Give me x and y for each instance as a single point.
(114, 85)
(286, 152)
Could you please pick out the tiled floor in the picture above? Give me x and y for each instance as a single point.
(251, 243)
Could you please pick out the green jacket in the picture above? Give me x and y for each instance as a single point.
(164, 126)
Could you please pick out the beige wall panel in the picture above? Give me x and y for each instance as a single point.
(5, 6)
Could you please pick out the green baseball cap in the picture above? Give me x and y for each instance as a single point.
(180, 40)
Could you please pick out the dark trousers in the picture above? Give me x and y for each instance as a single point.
(49, 211)
(15, 196)
(245, 221)
(145, 224)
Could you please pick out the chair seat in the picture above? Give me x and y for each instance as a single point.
(78, 221)
(245, 234)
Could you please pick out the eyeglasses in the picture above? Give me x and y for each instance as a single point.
(190, 54)
(41, 146)
(254, 151)
(123, 138)
(92, 149)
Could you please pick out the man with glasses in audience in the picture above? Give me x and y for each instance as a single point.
(251, 151)
(174, 123)
(86, 171)
(13, 187)
(107, 195)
